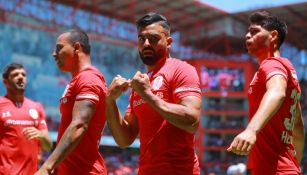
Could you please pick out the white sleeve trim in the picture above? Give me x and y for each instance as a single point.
(87, 96)
(276, 73)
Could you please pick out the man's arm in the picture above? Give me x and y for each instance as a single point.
(124, 130)
(41, 135)
(269, 105)
(184, 115)
(82, 114)
(299, 134)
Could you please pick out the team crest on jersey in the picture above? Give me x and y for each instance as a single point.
(33, 113)
(157, 83)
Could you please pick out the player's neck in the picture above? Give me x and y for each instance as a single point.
(17, 98)
(84, 62)
(263, 56)
(159, 64)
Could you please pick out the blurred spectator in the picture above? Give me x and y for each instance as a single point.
(224, 79)
(204, 77)
(238, 169)
(121, 162)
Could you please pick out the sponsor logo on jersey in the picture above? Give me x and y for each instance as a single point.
(20, 122)
(63, 100)
(250, 90)
(6, 114)
(33, 113)
(138, 102)
(157, 83)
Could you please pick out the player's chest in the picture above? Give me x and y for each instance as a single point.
(68, 98)
(24, 116)
(160, 86)
(257, 86)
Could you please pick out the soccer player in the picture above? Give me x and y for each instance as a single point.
(82, 108)
(274, 137)
(23, 128)
(165, 104)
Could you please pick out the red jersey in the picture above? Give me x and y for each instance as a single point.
(89, 84)
(17, 154)
(274, 152)
(166, 149)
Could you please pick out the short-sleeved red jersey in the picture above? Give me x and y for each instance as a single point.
(17, 154)
(89, 84)
(166, 149)
(274, 152)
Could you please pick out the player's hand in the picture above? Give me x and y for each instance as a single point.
(140, 83)
(242, 143)
(117, 86)
(44, 171)
(32, 133)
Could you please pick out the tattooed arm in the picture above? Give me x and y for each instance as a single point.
(82, 114)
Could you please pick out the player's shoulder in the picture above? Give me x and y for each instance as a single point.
(90, 76)
(286, 62)
(3, 99)
(272, 62)
(90, 73)
(32, 102)
(91, 70)
(179, 64)
(278, 60)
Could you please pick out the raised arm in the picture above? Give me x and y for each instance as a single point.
(184, 115)
(82, 113)
(124, 130)
(269, 105)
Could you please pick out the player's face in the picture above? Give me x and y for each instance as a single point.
(153, 43)
(16, 81)
(257, 40)
(64, 54)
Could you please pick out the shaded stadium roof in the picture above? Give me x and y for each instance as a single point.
(201, 25)
(182, 14)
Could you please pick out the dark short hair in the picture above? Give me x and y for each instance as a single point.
(270, 23)
(9, 68)
(81, 37)
(151, 18)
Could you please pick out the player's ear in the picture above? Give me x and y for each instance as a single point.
(5, 82)
(77, 47)
(274, 36)
(169, 41)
